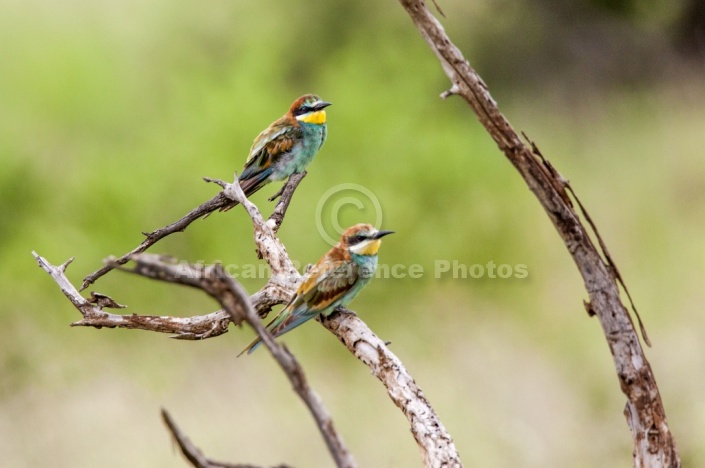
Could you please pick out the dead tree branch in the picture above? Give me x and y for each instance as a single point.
(221, 200)
(437, 447)
(191, 328)
(436, 444)
(197, 327)
(234, 299)
(654, 444)
(237, 308)
(286, 193)
(192, 453)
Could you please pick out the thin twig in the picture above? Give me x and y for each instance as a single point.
(219, 201)
(286, 192)
(193, 454)
(563, 186)
(215, 203)
(236, 302)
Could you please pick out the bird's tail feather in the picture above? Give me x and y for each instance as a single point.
(271, 326)
(281, 324)
(251, 347)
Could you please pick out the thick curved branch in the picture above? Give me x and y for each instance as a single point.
(653, 441)
(437, 446)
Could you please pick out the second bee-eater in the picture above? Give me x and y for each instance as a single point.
(287, 146)
(334, 281)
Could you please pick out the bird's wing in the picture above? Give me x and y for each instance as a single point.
(269, 146)
(326, 282)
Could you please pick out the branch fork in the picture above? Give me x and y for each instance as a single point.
(436, 445)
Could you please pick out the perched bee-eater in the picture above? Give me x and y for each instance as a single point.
(287, 146)
(334, 281)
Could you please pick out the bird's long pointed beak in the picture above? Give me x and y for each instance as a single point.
(322, 105)
(381, 234)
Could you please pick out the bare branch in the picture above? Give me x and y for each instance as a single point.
(268, 245)
(215, 203)
(236, 302)
(221, 200)
(193, 454)
(192, 328)
(230, 293)
(435, 442)
(163, 268)
(237, 308)
(286, 193)
(654, 444)
(197, 327)
(437, 447)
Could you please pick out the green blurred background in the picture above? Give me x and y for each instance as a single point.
(112, 111)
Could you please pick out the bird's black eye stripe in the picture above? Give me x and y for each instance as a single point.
(356, 239)
(303, 110)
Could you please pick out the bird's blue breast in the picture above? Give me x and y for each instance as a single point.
(367, 265)
(296, 161)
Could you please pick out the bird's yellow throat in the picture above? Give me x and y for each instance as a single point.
(318, 117)
(371, 247)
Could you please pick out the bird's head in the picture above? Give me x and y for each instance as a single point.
(309, 109)
(362, 239)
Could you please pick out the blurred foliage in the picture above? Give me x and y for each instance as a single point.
(111, 113)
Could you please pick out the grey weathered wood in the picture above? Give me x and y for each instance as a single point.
(654, 444)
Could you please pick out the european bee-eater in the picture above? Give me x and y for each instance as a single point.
(287, 146)
(334, 281)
